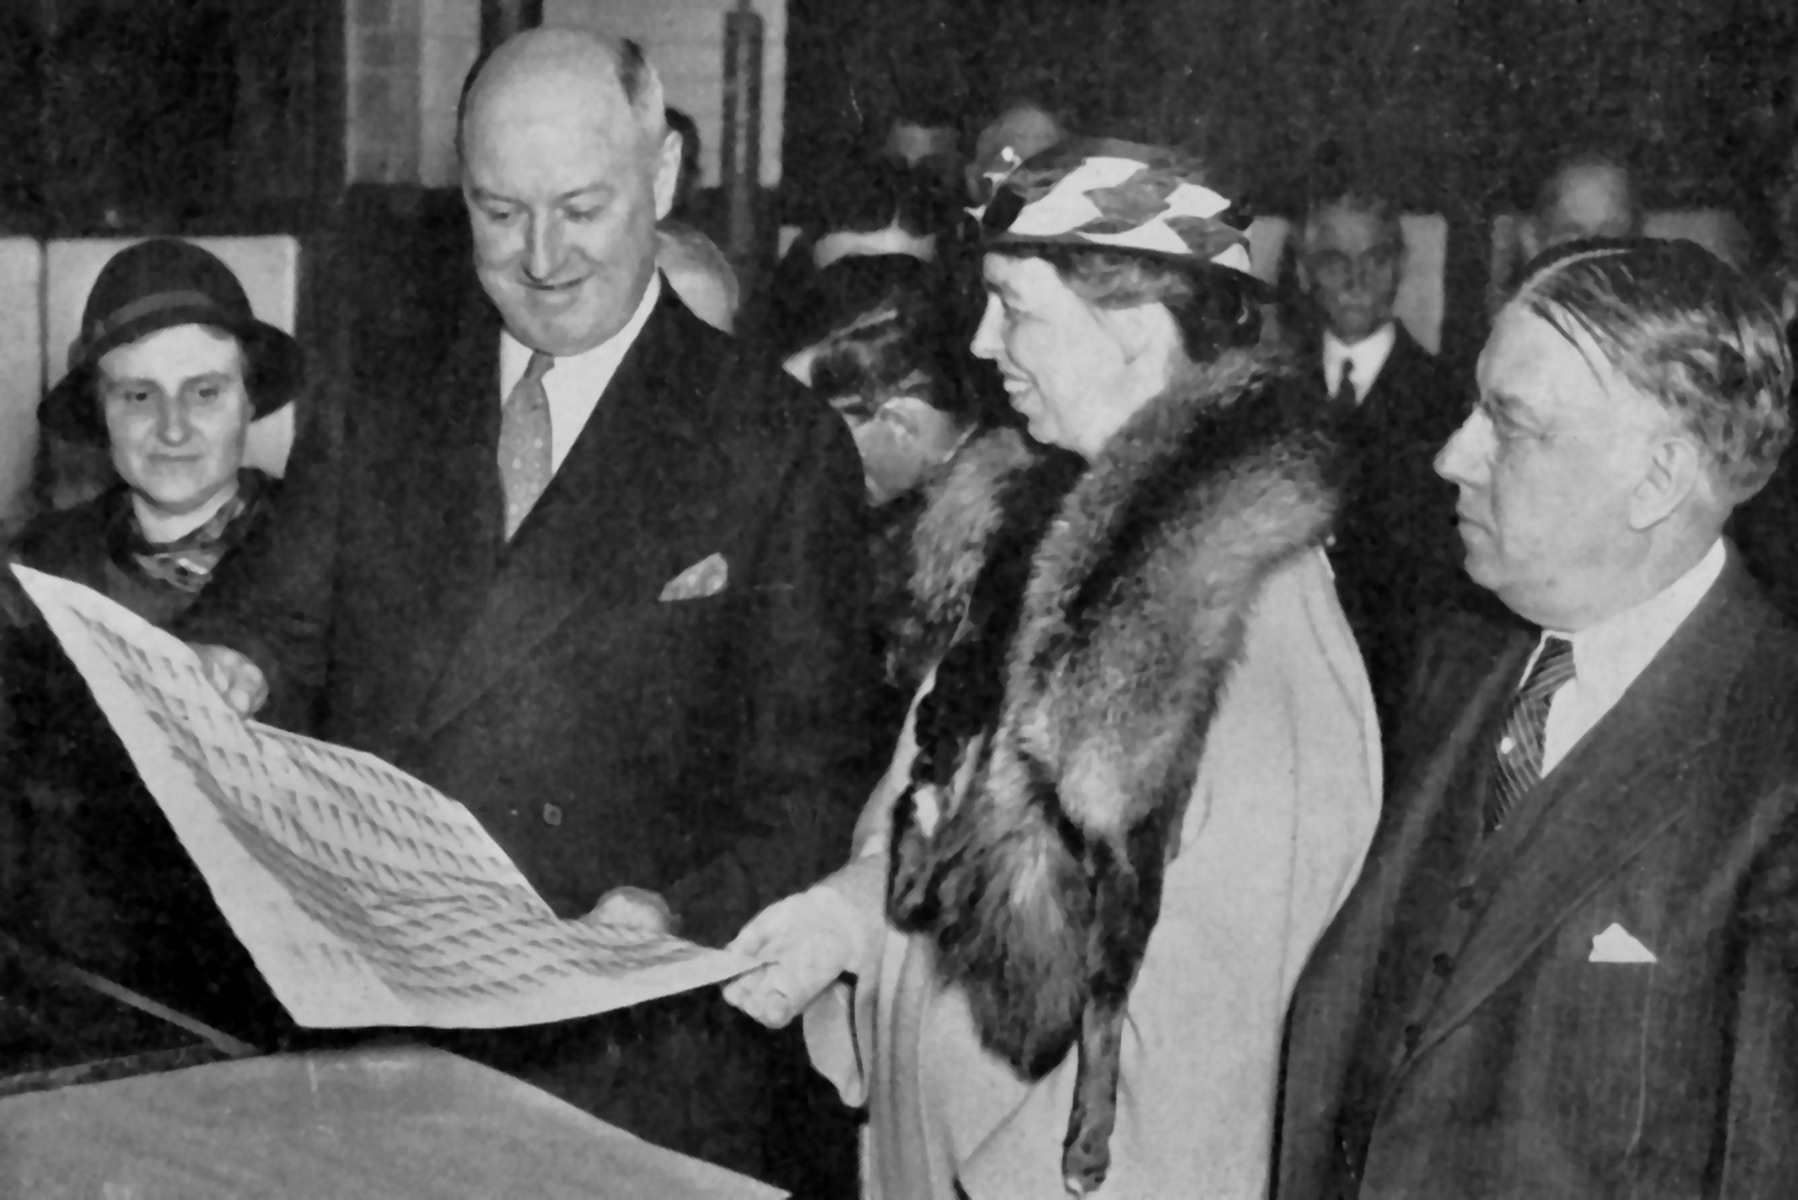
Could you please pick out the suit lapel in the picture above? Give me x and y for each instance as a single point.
(1386, 410)
(444, 487)
(1475, 691)
(1619, 788)
(618, 491)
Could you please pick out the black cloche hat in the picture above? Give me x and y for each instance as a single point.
(156, 285)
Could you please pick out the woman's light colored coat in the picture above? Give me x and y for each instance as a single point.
(1283, 807)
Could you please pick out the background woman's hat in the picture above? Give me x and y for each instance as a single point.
(1107, 194)
(156, 285)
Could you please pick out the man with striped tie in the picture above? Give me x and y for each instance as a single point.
(1568, 969)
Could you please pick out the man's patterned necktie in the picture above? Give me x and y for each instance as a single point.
(525, 462)
(1519, 763)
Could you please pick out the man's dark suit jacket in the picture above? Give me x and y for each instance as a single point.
(1451, 1037)
(1396, 554)
(710, 749)
(704, 748)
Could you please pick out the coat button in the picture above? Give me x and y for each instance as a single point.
(1464, 898)
(1442, 964)
(552, 814)
(1413, 1035)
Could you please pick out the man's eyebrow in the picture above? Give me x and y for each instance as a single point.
(602, 188)
(484, 196)
(1510, 405)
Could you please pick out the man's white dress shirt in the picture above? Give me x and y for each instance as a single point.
(575, 384)
(1608, 656)
(1368, 355)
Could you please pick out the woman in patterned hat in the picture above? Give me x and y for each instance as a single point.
(1144, 770)
(170, 368)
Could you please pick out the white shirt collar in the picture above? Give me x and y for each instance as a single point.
(576, 382)
(1608, 656)
(1369, 356)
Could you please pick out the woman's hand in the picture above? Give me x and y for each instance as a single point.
(807, 941)
(237, 679)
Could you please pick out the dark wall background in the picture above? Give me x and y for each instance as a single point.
(140, 112)
(205, 116)
(193, 116)
(1447, 99)
(1457, 106)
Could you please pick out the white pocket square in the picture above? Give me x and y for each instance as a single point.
(1619, 945)
(707, 577)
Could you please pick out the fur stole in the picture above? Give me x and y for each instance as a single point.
(1045, 803)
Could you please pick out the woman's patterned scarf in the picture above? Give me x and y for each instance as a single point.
(187, 563)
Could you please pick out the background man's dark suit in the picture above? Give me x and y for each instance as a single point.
(1450, 1035)
(1395, 552)
(708, 749)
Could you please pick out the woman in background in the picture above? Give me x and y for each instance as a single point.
(169, 370)
(898, 370)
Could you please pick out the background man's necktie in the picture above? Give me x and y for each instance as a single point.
(525, 463)
(1519, 765)
(1345, 386)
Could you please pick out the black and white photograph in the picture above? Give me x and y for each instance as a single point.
(898, 599)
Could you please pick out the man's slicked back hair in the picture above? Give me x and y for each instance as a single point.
(1684, 328)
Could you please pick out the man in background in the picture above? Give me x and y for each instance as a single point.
(1589, 195)
(1394, 551)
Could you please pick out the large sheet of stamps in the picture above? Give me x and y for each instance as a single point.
(364, 896)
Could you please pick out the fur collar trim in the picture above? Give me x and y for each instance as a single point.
(1041, 879)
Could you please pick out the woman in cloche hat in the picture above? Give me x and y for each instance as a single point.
(170, 368)
(1144, 769)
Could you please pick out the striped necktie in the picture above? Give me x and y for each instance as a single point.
(525, 459)
(1519, 760)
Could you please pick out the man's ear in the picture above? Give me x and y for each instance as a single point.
(1675, 470)
(667, 170)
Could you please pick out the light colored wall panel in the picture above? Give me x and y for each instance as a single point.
(685, 41)
(21, 370)
(443, 63)
(269, 268)
(1716, 229)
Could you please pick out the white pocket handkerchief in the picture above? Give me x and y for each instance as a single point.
(707, 577)
(1619, 945)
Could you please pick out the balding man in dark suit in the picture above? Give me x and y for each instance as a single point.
(593, 569)
(1568, 969)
